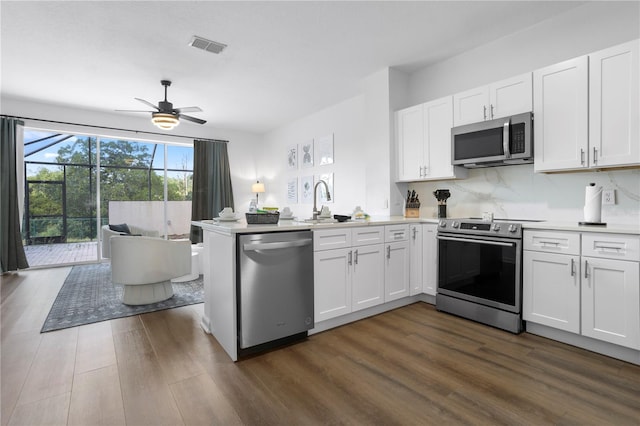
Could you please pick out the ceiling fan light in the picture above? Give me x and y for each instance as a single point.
(165, 121)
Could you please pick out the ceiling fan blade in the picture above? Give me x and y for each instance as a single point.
(188, 109)
(189, 118)
(132, 110)
(147, 103)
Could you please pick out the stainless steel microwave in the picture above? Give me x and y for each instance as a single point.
(499, 142)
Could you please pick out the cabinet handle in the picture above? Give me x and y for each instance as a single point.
(484, 112)
(586, 269)
(492, 111)
(350, 261)
(388, 252)
(595, 155)
(415, 231)
(426, 171)
(355, 257)
(549, 243)
(581, 157)
(573, 267)
(604, 248)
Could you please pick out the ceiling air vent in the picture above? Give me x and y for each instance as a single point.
(208, 45)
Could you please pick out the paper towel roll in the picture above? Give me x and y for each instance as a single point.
(593, 203)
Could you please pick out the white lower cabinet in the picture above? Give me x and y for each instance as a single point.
(332, 277)
(360, 267)
(368, 276)
(551, 290)
(397, 261)
(429, 261)
(415, 262)
(348, 270)
(586, 283)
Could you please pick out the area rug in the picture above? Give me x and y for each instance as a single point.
(89, 296)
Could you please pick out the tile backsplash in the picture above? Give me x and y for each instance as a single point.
(516, 192)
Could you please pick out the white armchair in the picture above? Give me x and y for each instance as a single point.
(144, 265)
(107, 233)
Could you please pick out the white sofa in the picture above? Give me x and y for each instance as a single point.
(144, 265)
(107, 233)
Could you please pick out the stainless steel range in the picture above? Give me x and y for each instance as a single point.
(480, 271)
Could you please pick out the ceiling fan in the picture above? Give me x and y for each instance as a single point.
(165, 115)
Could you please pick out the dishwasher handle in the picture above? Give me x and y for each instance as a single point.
(277, 245)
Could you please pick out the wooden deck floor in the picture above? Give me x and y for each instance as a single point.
(410, 366)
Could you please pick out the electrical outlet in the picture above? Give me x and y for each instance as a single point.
(609, 196)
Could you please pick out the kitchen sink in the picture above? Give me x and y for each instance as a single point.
(320, 221)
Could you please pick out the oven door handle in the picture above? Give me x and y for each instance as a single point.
(469, 240)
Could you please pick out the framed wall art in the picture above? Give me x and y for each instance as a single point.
(324, 150)
(306, 154)
(292, 156)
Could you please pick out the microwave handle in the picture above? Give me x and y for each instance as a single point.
(505, 138)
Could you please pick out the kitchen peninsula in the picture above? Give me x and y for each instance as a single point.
(221, 269)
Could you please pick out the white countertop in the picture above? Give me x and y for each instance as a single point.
(611, 228)
(241, 226)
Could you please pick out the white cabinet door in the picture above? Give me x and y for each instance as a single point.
(614, 116)
(511, 96)
(429, 259)
(551, 290)
(415, 262)
(471, 106)
(410, 142)
(611, 301)
(560, 106)
(396, 271)
(332, 286)
(438, 117)
(368, 276)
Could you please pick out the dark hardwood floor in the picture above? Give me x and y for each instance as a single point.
(410, 366)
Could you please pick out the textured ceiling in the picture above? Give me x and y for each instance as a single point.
(284, 59)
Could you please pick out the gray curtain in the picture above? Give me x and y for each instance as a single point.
(12, 256)
(212, 189)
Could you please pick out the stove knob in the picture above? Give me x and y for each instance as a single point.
(496, 227)
(443, 224)
(455, 224)
(513, 228)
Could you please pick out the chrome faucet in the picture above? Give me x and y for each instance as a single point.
(315, 206)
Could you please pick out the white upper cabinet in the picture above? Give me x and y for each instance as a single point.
(410, 143)
(561, 115)
(614, 115)
(424, 142)
(586, 112)
(470, 106)
(500, 99)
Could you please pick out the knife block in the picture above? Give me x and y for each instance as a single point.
(412, 212)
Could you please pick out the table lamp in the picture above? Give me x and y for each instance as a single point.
(257, 188)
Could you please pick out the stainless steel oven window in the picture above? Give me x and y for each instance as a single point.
(482, 270)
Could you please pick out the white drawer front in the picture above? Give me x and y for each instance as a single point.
(396, 233)
(552, 241)
(609, 246)
(331, 239)
(366, 235)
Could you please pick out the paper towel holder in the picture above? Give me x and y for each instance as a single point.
(585, 223)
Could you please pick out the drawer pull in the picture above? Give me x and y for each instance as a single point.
(617, 249)
(550, 243)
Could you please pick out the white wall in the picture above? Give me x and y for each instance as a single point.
(346, 122)
(241, 144)
(588, 28)
(515, 191)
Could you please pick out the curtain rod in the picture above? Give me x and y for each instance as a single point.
(114, 128)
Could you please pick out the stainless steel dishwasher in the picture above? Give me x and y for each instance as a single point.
(275, 288)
